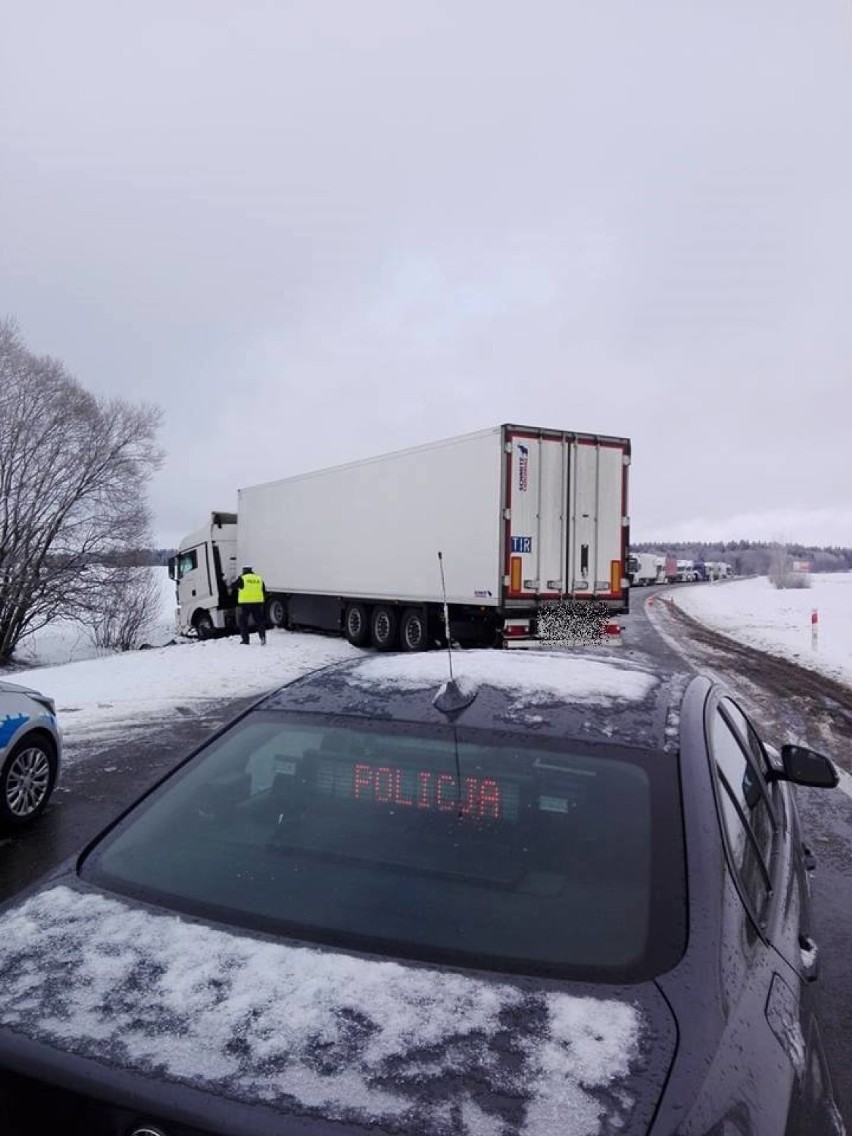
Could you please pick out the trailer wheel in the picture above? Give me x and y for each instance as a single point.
(384, 628)
(413, 630)
(357, 625)
(204, 628)
(276, 612)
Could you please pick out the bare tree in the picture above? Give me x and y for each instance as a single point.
(73, 473)
(125, 604)
(783, 573)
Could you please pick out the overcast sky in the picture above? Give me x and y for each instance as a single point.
(314, 232)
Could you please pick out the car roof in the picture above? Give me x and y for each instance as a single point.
(586, 695)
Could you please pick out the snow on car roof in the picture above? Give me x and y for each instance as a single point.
(343, 1037)
(529, 678)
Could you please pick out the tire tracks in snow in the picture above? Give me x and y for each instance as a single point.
(790, 700)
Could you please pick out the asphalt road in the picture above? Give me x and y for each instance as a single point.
(97, 785)
(788, 703)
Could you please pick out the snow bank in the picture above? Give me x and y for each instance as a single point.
(98, 698)
(779, 621)
(99, 694)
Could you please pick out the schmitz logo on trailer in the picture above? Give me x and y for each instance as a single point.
(523, 468)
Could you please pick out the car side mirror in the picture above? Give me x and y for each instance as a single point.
(804, 766)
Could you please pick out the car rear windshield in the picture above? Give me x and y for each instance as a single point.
(450, 845)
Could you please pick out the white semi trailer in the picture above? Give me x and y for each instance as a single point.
(532, 525)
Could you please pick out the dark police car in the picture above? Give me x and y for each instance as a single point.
(557, 896)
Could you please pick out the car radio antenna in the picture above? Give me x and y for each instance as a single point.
(446, 614)
(451, 697)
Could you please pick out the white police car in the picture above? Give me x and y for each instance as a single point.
(30, 754)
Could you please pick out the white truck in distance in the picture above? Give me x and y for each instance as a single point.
(645, 569)
(532, 524)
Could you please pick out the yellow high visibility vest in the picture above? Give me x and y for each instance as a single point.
(252, 590)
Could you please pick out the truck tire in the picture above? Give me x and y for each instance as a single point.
(356, 625)
(413, 630)
(384, 628)
(203, 625)
(276, 612)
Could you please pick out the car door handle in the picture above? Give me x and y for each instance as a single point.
(810, 958)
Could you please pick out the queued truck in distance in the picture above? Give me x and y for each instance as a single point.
(645, 569)
(531, 523)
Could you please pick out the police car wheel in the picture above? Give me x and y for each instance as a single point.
(26, 781)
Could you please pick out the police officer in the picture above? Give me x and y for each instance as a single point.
(251, 600)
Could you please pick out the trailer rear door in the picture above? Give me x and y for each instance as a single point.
(566, 526)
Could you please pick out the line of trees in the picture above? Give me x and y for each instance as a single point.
(74, 471)
(754, 558)
(136, 557)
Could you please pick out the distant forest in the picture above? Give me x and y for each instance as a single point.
(752, 558)
(746, 557)
(139, 557)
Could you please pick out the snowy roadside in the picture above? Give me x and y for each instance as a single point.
(755, 613)
(101, 695)
(750, 685)
(98, 699)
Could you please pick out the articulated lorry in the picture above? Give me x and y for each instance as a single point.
(531, 523)
(645, 569)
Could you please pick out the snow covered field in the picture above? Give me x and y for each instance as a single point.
(63, 642)
(754, 612)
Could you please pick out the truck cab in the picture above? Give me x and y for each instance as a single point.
(643, 569)
(204, 571)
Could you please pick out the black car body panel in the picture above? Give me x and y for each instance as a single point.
(417, 1045)
(749, 1055)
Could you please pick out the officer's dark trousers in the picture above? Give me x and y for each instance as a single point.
(258, 615)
